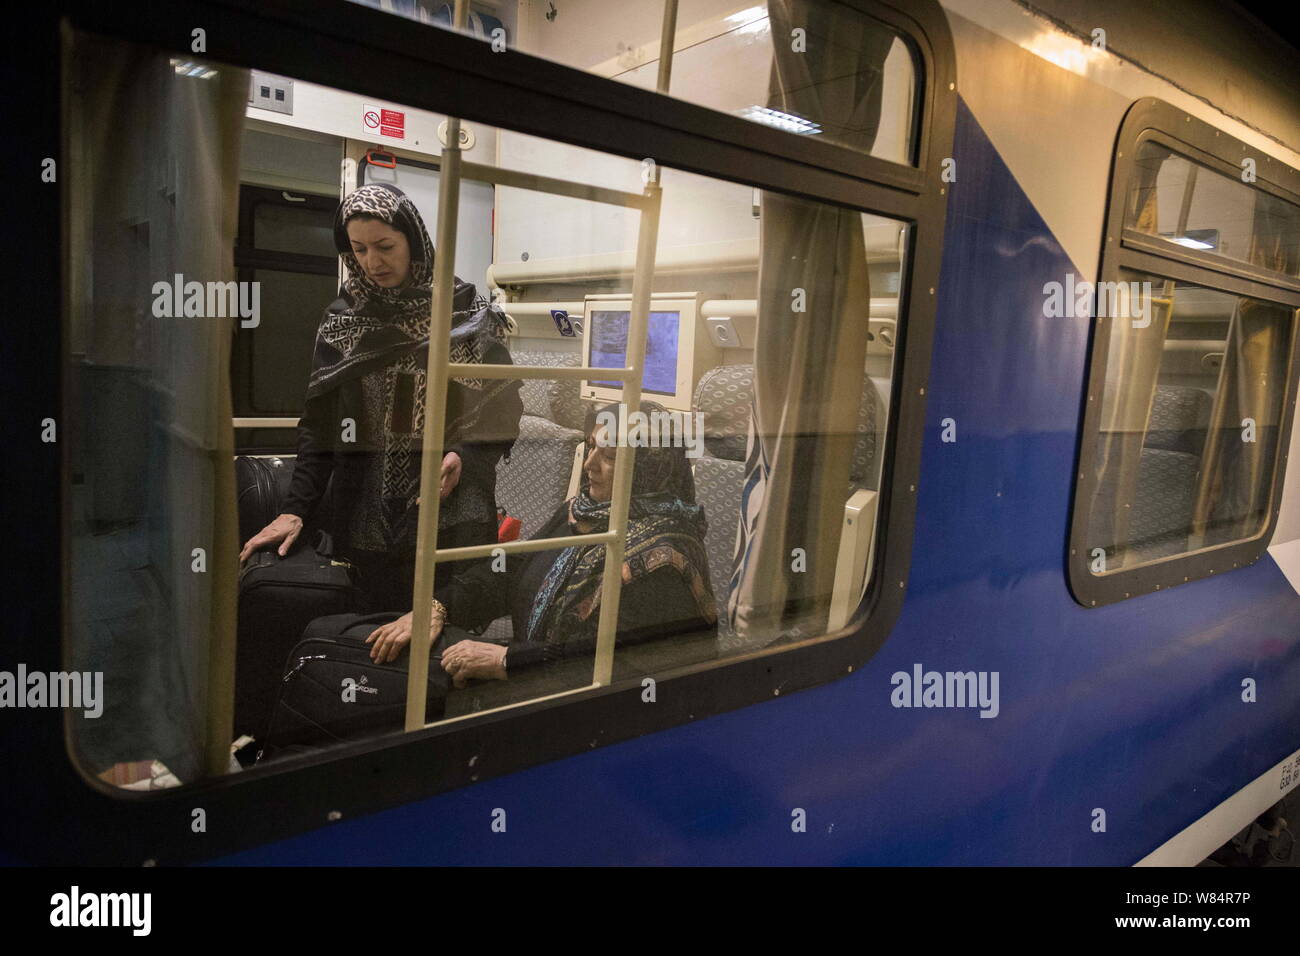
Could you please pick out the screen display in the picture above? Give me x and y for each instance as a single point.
(608, 331)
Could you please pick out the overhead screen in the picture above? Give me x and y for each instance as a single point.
(608, 331)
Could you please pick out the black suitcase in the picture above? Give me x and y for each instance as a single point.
(332, 690)
(261, 484)
(278, 598)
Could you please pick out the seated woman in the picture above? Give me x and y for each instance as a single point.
(553, 597)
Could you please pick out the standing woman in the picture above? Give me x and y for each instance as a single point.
(365, 411)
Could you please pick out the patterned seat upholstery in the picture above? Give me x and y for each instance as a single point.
(1167, 472)
(724, 394)
(1165, 494)
(556, 400)
(863, 469)
(533, 483)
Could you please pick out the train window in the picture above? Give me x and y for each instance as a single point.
(1179, 469)
(825, 297)
(1201, 209)
(1192, 389)
(286, 226)
(850, 78)
(707, 374)
(284, 249)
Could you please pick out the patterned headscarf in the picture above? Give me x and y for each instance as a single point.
(665, 527)
(375, 324)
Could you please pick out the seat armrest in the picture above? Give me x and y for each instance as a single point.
(853, 564)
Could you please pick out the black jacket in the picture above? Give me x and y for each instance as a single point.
(322, 454)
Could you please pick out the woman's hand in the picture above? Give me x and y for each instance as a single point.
(285, 528)
(391, 639)
(450, 473)
(469, 660)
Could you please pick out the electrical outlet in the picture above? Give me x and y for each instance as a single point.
(269, 92)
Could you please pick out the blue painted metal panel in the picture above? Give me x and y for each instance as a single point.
(1134, 708)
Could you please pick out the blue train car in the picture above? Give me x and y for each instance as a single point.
(966, 536)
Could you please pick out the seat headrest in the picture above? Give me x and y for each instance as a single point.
(555, 400)
(724, 395)
(1179, 416)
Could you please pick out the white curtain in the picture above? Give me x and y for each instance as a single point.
(811, 335)
(151, 187)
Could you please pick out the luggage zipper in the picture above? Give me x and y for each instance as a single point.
(299, 664)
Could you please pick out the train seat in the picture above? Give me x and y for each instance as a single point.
(535, 481)
(1167, 472)
(1165, 492)
(724, 395)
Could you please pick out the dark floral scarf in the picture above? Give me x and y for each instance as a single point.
(373, 329)
(371, 325)
(665, 527)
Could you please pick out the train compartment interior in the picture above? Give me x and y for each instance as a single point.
(735, 271)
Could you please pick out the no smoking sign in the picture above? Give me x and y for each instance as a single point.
(376, 120)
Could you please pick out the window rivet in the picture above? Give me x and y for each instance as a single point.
(776, 692)
(150, 862)
(911, 487)
(931, 291)
(334, 815)
(952, 86)
(1094, 603)
(922, 392)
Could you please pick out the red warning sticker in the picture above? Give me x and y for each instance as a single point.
(385, 122)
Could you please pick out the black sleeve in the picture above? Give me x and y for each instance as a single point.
(496, 431)
(477, 597)
(654, 606)
(315, 462)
